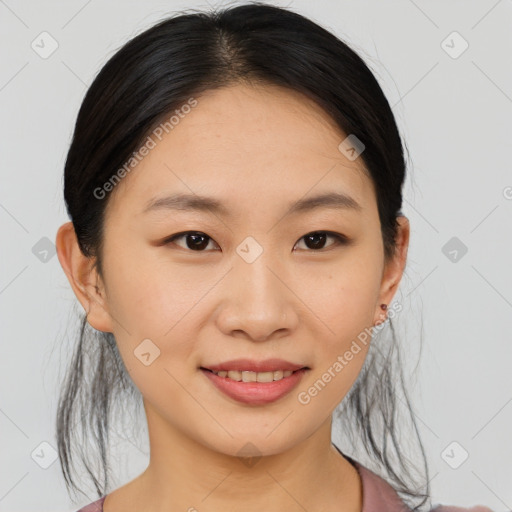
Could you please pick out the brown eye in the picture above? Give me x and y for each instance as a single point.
(316, 240)
(198, 241)
(194, 240)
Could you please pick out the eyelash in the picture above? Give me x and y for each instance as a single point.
(340, 239)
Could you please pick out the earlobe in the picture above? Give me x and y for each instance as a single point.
(83, 278)
(382, 316)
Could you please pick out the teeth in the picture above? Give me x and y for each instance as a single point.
(254, 376)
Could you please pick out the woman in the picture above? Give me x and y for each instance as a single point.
(234, 185)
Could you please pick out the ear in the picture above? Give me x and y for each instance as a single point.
(84, 278)
(393, 270)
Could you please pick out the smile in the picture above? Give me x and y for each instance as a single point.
(255, 388)
(248, 376)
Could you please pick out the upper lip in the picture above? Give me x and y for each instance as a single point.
(268, 365)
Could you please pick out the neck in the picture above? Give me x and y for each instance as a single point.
(186, 475)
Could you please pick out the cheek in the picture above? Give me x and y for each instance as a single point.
(149, 302)
(149, 295)
(344, 311)
(346, 308)
(344, 296)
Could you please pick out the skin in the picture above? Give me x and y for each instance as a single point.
(256, 149)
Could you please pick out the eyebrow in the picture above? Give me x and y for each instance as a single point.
(194, 202)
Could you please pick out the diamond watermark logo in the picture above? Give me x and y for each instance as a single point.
(454, 249)
(351, 147)
(44, 45)
(454, 45)
(454, 455)
(146, 352)
(44, 455)
(249, 250)
(44, 250)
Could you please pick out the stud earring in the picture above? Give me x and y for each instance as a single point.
(384, 307)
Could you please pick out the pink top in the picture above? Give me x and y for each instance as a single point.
(378, 496)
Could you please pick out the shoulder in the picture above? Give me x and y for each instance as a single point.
(97, 506)
(379, 496)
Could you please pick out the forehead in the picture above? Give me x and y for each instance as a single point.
(249, 146)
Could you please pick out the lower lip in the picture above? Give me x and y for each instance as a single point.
(255, 393)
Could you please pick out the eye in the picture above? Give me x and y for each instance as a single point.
(316, 239)
(198, 241)
(195, 240)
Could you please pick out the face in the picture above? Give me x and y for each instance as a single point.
(256, 279)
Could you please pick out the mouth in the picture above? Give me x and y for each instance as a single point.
(255, 388)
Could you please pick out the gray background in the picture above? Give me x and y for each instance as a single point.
(454, 112)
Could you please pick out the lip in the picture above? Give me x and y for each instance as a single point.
(255, 393)
(250, 365)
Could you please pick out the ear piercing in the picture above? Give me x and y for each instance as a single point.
(384, 307)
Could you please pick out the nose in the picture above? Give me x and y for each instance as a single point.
(258, 303)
